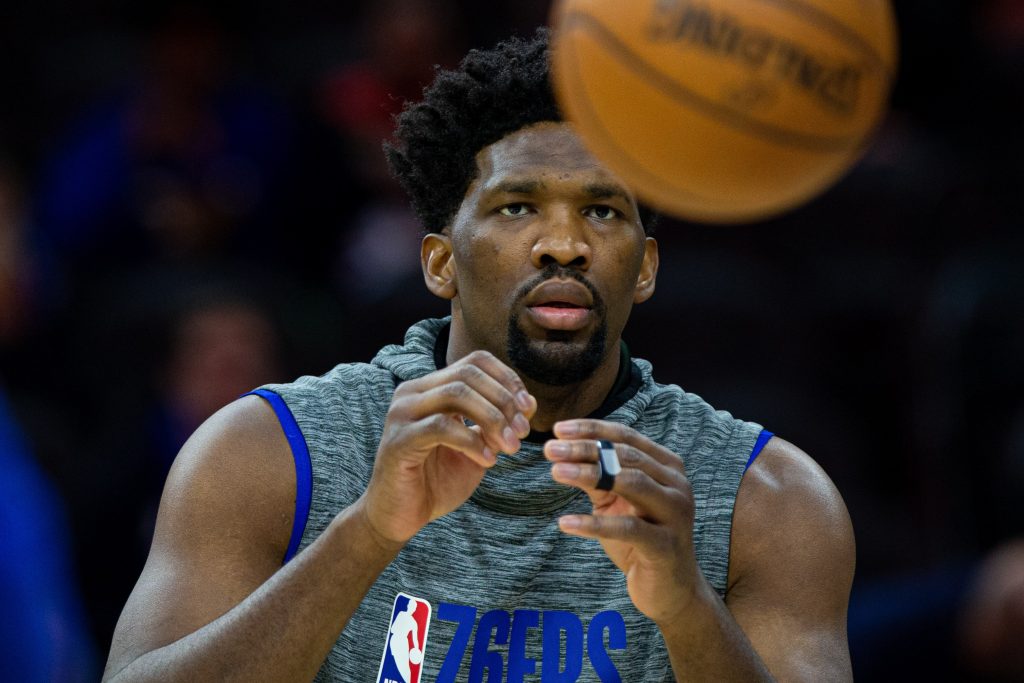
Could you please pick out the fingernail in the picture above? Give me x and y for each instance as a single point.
(489, 455)
(521, 424)
(511, 440)
(523, 400)
(570, 522)
(559, 448)
(567, 428)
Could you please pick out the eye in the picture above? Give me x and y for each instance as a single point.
(601, 212)
(514, 210)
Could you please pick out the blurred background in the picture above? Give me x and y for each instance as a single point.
(193, 202)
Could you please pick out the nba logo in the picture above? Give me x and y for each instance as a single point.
(406, 644)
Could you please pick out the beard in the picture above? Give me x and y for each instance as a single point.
(557, 360)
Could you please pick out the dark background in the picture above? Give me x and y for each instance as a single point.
(193, 202)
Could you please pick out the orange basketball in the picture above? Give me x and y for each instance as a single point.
(724, 111)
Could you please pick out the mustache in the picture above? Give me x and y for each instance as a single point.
(556, 271)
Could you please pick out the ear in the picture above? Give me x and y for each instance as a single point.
(648, 272)
(438, 265)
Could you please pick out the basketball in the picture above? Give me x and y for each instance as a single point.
(724, 111)
(415, 655)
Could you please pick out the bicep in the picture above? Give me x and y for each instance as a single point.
(224, 524)
(791, 566)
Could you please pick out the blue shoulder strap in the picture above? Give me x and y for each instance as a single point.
(303, 467)
(759, 445)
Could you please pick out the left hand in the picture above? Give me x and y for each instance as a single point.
(645, 523)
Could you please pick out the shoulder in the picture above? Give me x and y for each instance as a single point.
(671, 404)
(239, 455)
(791, 566)
(222, 530)
(350, 396)
(787, 507)
(345, 383)
(692, 427)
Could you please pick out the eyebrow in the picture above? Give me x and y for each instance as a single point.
(594, 190)
(606, 191)
(518, 187)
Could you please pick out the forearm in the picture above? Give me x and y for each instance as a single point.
(284, 629)
(706, 644)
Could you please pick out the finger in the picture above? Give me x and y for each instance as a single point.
(489, 377)
(506, 377)
(587, 451)
(456, 398)
(629, 529)
(488, 363)
(441, 430)
(617, 433)
(479, 372)
(650, 499)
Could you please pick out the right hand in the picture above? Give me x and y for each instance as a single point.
(429, 461)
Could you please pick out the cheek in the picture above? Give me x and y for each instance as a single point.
(482, 253)
(492, 264)
(627, 265)
(481, 277)
(622, 274)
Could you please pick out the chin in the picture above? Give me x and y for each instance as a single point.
(560, 359)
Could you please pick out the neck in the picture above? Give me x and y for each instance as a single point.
(556, 403)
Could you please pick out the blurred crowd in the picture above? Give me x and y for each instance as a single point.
(193, 202)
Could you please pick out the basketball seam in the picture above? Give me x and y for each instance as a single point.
(841, 30)
(731, 117)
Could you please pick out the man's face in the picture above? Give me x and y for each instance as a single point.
(547, 256)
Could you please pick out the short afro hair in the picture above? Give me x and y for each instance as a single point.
(493, 93)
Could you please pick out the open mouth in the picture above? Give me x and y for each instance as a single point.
(560, 315)
(560, 304)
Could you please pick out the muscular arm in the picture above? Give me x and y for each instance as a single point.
(791, 566)
(213, 602)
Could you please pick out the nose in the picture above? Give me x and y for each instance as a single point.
(562, 240)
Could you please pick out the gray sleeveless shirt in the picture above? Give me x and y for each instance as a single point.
(495, 591)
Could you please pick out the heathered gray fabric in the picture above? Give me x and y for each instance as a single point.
(502, 550)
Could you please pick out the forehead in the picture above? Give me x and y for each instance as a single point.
(542, 151)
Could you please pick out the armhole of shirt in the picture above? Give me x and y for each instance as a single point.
(303, 467)
(759, 445)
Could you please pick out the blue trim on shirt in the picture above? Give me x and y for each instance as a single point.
(762, 439)
(303, 467)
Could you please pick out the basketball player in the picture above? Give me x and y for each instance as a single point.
(403, 626)
(474, 467)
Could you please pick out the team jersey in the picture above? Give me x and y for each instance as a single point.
(494, 591)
